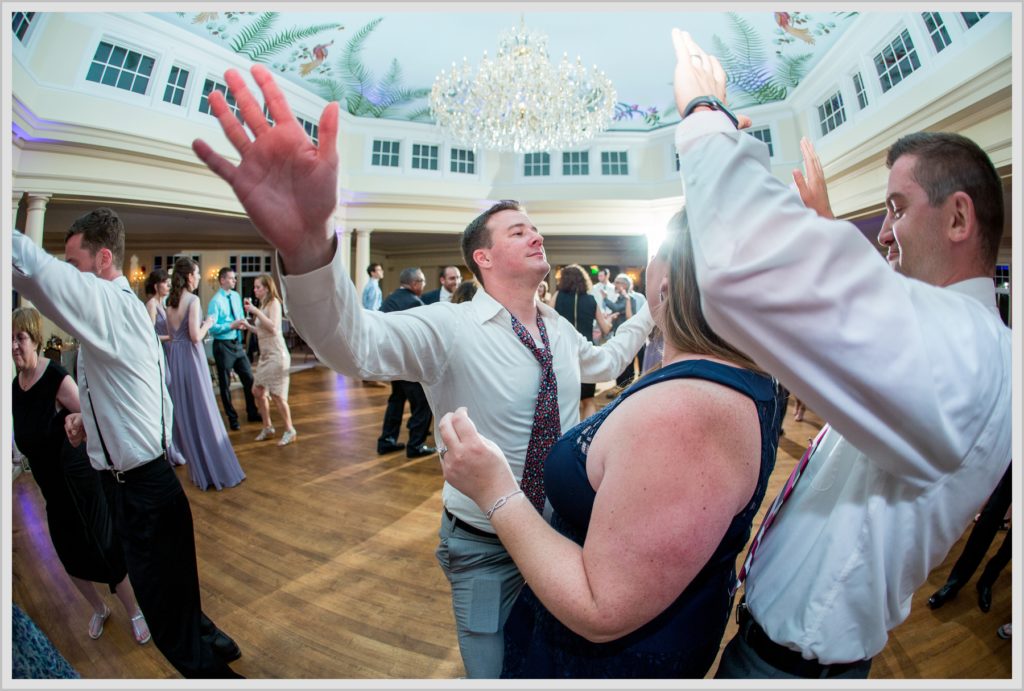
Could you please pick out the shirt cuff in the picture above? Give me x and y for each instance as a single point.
(700, 124)
(308, 288)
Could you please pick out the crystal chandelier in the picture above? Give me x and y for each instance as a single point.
(521, 102)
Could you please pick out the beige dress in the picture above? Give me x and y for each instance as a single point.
(271, 371)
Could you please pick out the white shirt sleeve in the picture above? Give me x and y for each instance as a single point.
(325, 310)
(908, 372)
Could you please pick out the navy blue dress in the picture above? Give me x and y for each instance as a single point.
(682, 641)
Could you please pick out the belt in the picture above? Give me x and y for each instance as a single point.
(141, 472)
(779, 656)
(471, 529)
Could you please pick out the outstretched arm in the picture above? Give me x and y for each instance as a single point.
(287, 185)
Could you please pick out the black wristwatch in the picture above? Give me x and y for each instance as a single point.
(712, 103)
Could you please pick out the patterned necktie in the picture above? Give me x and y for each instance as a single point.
(547, 424)
(773, 510)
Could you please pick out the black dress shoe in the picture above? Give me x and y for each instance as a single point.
(389, 445)
(984, 597)
(943, 595)
(234, 425)
(255, 418)
(421, 450)
(224, 647)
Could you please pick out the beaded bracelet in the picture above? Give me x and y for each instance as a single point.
(501, 502)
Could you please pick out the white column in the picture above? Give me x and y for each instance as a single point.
(362, 257)
(345, 245)
(34, 217)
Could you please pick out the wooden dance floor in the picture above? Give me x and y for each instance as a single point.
(321, 563)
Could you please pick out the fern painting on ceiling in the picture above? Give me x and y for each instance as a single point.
(750, 78)
(347, 80)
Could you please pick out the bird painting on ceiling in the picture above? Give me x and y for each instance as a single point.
(787, 23)
(203, 17)
(319, 55)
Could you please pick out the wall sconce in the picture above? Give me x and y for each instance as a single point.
(211, 277)
(136, 277)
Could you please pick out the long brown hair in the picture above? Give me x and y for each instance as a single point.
(183, 268)
(683, 322)
(268, 282)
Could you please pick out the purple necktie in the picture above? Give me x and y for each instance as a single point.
(769, 517)
(547, 425)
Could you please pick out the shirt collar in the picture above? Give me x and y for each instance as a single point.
(486, 308)
(981, 289)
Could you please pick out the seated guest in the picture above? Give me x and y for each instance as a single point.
(653, 498)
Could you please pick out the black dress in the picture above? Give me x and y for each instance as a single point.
(579, 309)
(76, 494)
(683, 640)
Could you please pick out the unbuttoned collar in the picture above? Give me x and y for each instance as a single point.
(486, 308)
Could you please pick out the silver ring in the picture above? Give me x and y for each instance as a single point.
(442, 451)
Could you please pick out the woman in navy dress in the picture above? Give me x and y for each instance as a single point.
(653, 499)
(76, 494)
(198, 428)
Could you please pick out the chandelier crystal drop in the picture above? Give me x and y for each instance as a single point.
(519, 101)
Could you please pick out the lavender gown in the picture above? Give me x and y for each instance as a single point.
(173, 455)
(198, 429)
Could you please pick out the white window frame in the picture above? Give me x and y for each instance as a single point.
(403, 149)
(439, 158)
(522, 166)
(943, 26)
(880, 48)
(630, 167)
(190, 88)
(832, 93)
(575, 176)
(449, 160)
(868, 95)
(112, 92)
(771, 138)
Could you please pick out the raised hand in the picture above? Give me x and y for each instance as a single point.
(698, 74)
(471, 463)
(812, 189)
(287, 185)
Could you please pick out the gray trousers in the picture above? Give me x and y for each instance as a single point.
(739, 661)
(485, 583)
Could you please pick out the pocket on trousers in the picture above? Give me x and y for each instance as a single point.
(485, 605)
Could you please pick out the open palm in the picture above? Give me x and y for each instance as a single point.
(287, 185)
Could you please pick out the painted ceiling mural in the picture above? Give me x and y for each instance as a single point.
(383, 64)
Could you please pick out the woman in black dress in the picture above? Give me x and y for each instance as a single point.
(574, 302)
(77, 513)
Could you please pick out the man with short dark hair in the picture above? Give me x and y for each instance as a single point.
(449, 277)
(513, 362)
(126, 422)
(406, 297)
(228, 354)
(372, 295)
(912, 369)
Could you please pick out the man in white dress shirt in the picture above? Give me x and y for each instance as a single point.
(126, 422)
(911, 367)
(463, 354)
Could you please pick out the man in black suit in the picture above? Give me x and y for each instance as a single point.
(407, 296)
(449, 277)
